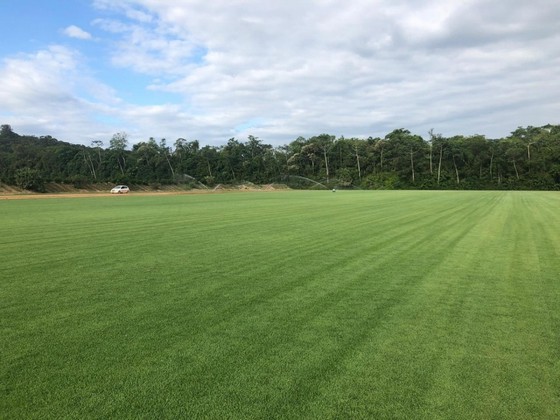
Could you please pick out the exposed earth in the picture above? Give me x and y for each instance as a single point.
(8, 192)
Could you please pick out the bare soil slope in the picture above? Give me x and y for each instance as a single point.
(55, 190)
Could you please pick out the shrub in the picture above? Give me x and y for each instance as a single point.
(29, 179)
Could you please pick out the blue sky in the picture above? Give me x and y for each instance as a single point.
(41, 24)
(82, 70)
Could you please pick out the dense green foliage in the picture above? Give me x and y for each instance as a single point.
(527, 159)
(298, 304)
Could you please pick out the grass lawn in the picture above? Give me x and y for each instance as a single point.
(300, 304)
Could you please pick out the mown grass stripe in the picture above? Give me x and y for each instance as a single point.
(281, 305)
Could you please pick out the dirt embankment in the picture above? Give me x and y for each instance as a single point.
(55, 190)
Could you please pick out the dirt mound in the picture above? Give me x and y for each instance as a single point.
(8, 189)
(91, 190)
(274, 187)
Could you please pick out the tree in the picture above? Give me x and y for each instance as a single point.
(529, 158)
(311, 155)
(403, 150)
(455, 151)
(358, 151)
(89, 162)
(29, 179)
(6, 132)
(514, 151)
(254, 163)
(187, 155)
(97, 146)
(345, 178)
(166, 152)
(210, 159)
(233, 154)
(325, 143)
(118, 144)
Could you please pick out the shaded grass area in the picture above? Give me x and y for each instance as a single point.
(282, 305)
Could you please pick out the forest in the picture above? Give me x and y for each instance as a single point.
(527, 159)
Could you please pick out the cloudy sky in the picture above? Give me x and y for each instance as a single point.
(81, 70)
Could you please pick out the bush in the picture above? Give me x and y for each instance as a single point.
(29, 179)
(79, 181)
(383, 181)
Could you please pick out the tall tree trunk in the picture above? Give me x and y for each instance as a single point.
(326, 163)
(170, 167)
(92, 167)
(431, 150)
(456, 170)
(89, 164)
(515, 167)
(358, 163)
(99, 158)
(491, 160)
(529, 156)
(121, 167)
(412, 165)
(432, 136)
(439, 164)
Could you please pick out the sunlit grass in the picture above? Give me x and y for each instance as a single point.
(281, 305)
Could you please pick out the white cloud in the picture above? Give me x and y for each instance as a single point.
(124, 7)
(75, 32)
(283, 69)
(359, 68)
(146, 48)
(49, 92)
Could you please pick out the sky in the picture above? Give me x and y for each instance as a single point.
(211, 70)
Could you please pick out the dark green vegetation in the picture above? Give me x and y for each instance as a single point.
(528, 159)
(281, 305)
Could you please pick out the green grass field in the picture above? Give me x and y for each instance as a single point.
(292, 305)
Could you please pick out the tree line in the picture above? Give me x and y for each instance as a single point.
(529, 158)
